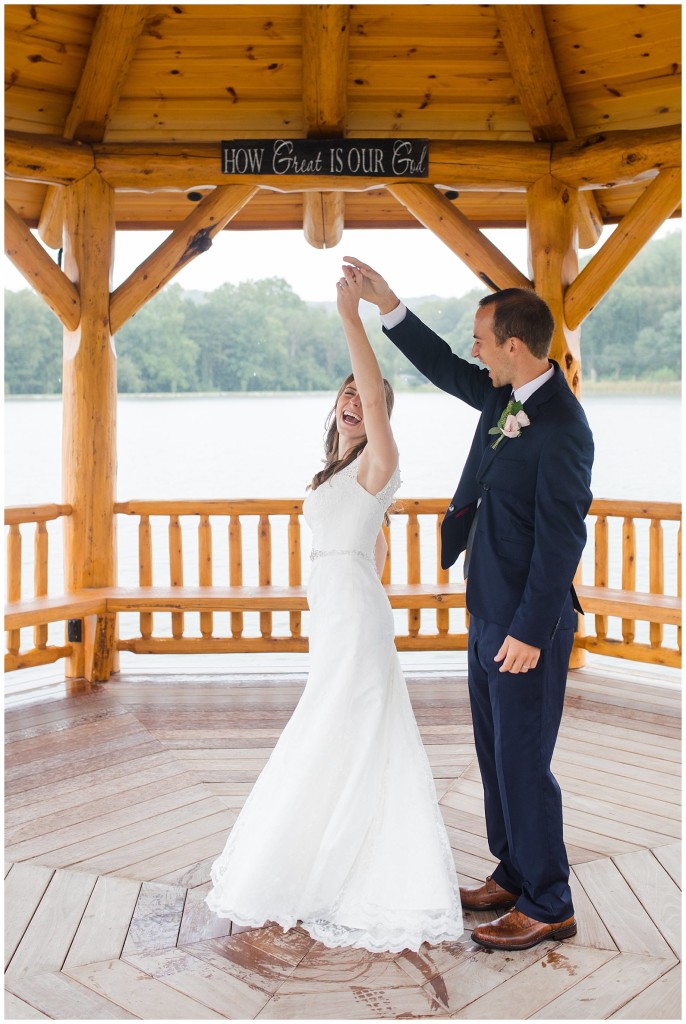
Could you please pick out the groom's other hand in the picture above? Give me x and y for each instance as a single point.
(517, 656)
(374, 289)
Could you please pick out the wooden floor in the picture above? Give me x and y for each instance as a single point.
(120, 796)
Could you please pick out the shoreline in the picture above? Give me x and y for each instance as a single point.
(603, 387)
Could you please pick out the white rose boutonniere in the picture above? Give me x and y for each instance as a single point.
(512, 421)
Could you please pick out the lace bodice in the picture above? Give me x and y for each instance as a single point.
(343, 516)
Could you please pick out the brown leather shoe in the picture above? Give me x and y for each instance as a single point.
(515, 930)
(489, 896)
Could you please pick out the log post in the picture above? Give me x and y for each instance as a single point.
(552, 222)
(89, 457)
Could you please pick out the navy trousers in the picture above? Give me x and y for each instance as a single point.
(516, 720)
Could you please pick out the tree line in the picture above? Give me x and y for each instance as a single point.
(260, 336)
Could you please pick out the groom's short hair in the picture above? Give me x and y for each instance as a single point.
(521, 313)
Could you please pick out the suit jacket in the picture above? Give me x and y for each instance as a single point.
(534, 490)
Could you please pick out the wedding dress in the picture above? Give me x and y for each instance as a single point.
(342, 832)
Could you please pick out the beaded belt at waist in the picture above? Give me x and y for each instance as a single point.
(341, 551)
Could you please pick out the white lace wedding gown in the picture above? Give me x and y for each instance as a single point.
(342, 830)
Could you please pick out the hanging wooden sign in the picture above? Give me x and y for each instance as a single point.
(357, 158)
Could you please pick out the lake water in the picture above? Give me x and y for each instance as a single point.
(268, 446)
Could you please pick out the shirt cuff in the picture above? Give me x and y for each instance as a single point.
(395, 317)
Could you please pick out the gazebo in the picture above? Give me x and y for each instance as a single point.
(557, 118)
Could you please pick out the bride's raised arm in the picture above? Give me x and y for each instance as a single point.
(380, 457)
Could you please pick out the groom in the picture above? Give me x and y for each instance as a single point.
(518, 513)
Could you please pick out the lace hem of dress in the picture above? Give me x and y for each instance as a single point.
(377, 932)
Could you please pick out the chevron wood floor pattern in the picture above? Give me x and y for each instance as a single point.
(120, 796)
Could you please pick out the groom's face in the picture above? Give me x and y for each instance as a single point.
(496, 358)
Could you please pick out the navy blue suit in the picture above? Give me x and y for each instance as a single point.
(534, 493)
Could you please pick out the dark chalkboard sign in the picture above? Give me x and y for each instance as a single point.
(358, 158)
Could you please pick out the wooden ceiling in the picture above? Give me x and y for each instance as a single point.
(473, 78)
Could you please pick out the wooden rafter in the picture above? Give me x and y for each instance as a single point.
(44, 276)
(189, 239)
(525, 38)
(656, 204)
(325, 108)
(435, 212)
(600, 161)
(113, 45)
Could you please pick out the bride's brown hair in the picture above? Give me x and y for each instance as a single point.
(332, 464)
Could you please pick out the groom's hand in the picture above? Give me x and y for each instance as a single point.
(374, 288)
(517, 656)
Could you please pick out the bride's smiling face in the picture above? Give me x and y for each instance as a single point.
(349, 415)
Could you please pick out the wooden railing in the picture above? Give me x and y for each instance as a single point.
(221, 576)
(639, 575)
(41, 653)
(264, 550)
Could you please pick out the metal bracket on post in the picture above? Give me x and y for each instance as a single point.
(75, 631)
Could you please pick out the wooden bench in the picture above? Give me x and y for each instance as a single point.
(98, 609)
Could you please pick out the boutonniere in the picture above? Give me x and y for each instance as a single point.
(512, 421)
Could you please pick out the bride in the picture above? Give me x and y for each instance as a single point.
(342, 833)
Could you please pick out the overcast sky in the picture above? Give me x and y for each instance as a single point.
(414, 262)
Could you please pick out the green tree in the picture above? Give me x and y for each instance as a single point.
(33, 346)
(154, 351)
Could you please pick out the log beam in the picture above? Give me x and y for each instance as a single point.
(616, 158)
(89, 388)
(525, 38)
(113, 45)
(46, 159)
(325, 109)
(323, 218)
(44, 276)
(435, 212)
(187, 241)
(657, 203)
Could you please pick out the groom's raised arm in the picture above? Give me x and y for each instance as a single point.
(429, 353)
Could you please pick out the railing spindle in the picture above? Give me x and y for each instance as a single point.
(236, 568)
(14, 582)
(205, 568)
(602, 562)
(628, 572)
(386, 571)
(145, 570)
(414, 570)
(176, 569)
(442, 576)
(264, 561)
(678, 581)
(294, 568)
(40, 580)
(657, 575)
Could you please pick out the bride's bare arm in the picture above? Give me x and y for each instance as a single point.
(380, 552)
(381, 454)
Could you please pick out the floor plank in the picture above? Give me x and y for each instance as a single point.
(139, 994)
(17, 1009)
(46, 941)
(622, 913)
(63, 998)
(24, 889)
(105, 924)
(602, 993)
(657, 891)
(670, 858)
(156, 919)
(659, 1001)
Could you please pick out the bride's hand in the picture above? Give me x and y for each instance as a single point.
(349, 292)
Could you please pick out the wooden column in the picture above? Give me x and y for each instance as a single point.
(553, 263)
(552, 221)
(89, 456)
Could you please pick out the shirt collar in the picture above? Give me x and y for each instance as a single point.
(527, 390)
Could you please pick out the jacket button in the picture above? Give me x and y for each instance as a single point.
(486, 487)
(451, 508)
